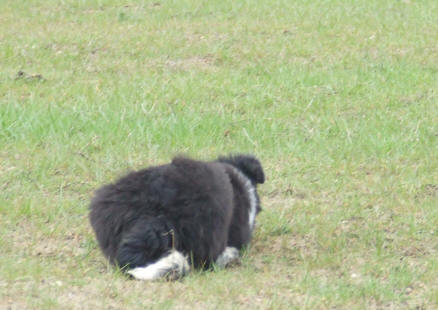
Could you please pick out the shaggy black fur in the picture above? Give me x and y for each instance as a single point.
(195, 207)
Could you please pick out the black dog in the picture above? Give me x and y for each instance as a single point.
(159, 221)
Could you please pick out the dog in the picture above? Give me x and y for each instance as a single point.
(161, 221)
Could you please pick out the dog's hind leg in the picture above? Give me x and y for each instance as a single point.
(170, 267)
(147, 251)
(229, 256)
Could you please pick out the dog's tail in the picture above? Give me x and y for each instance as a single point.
(148, 251)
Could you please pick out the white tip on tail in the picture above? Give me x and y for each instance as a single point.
(171, 267)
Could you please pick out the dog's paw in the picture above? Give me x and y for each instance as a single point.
(171, 267)
(228, 257)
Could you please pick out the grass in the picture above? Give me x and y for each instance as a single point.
(337, 98)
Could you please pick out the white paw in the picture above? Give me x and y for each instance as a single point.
(227, 257)
(171, 267)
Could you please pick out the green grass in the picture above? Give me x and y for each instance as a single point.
(337, 98)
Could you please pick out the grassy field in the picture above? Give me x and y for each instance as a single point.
(339, 99)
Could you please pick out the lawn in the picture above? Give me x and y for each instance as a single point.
(339, 100)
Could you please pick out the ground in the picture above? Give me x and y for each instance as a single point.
(337, 98)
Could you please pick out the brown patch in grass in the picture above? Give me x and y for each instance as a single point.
(9, 303)
(196, 62)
